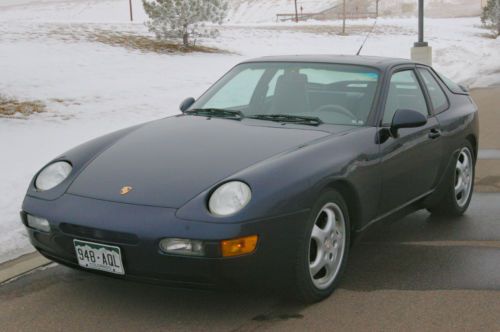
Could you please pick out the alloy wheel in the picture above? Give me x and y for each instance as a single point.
(327, 245)
(463, 177)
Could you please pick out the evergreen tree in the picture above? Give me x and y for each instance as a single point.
(491, 15)
(184, 19)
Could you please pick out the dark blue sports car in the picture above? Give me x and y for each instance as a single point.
(265, 179)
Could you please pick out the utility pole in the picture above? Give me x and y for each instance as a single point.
(296, 12)
(343, 15)
(131, 13)
(376, 8)
(421, 52)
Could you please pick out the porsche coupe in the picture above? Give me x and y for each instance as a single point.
(265, 179)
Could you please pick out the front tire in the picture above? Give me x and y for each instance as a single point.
(323, 253)
(459, 185)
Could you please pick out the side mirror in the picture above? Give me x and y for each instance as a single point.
(464, 88)
(186, 104)
(407, 119)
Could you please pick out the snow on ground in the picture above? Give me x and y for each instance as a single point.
(92, 89)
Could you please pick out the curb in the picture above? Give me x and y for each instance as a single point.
(24, 264)
(489, 154)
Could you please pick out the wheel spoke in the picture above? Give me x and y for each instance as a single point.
(332, 264)
(460, 187)
(460, 167)
(330, 221)
(318, 264)
(466, 162)
(319, 235)
(337, 235)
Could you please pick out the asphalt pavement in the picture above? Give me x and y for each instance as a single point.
(416, 273)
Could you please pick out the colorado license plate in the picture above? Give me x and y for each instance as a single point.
(100, 257)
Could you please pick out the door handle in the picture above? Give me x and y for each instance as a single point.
(434, 133)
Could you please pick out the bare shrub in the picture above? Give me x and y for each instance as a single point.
(11, 107)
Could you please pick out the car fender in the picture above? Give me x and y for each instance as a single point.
(292, 181)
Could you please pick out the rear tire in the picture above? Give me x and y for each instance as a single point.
(459, 185)
(323, 251)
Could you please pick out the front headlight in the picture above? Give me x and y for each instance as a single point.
(229, 198)
(52, 175)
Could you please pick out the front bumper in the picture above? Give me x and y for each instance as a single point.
(138, 229)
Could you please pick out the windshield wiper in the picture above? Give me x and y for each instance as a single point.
(217, 112)
(307, 120)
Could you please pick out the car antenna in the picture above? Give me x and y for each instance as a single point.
(367, 36)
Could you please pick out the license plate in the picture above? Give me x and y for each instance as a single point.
(100, 257)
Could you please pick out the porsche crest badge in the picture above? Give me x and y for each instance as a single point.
(125, 190)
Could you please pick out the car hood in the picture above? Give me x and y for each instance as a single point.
(168, 162)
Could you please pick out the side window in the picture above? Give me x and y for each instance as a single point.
(238, 92)
(404, 93)
(438, 98)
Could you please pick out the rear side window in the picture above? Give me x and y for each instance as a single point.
(438, 97)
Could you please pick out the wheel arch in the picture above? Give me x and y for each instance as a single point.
(473, 141)
(351, 198)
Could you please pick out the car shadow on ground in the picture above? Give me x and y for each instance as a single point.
(423, 252)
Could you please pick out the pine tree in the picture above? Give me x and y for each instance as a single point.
(184, 19)
(491, 15)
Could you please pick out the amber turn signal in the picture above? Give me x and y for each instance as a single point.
(240, 246)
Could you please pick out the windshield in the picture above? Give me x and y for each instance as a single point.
(332, 93)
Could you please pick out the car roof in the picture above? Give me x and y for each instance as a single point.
(361, 60)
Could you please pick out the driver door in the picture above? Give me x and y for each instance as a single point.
(411, 160)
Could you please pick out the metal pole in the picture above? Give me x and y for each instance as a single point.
(131, 13)
(343, 15)
(420, 42)
(420, 21)
(296, 12)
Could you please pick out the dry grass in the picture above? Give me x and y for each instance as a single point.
(146, 43)
(127, 39)
(336, 29)
(12, 108)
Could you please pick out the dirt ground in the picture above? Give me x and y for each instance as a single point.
(488, 171)
(488, 101)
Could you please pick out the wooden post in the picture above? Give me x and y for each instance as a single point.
(296, 12)
(131, 13)
(343, 15)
